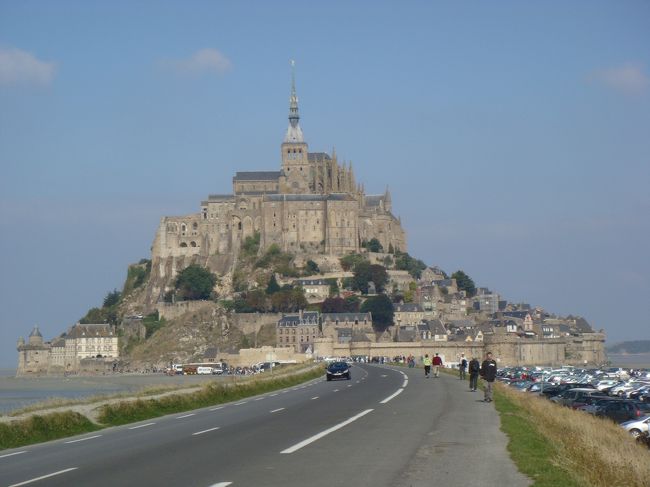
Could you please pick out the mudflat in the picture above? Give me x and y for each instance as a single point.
(16, 393)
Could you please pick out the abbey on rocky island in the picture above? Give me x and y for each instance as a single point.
(313, 204)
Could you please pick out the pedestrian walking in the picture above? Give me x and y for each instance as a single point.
(474, 369)
(427, 365)
(437, 363)
(462, 367)
(489, 374)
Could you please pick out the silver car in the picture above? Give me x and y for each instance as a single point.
(637, 426)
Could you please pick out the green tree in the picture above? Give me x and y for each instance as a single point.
(350, 261)
(391, 249)
(334, 286)
(251, 245)
(112, 298)
(340, 305)
(194, 282)
(374, 245)
(381, 309)
(405, 262)
(273, 286)
(257, 300)
(311, 268)
(364, 272)
(464, 283)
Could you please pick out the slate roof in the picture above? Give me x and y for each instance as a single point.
(373, 199)
(408, 308)
(257, 176)
(309, 197)
(90, 331)
(349, 317)
(311, 282)
(308, 318)
(436, 327)
(318, 156)
(220, 197)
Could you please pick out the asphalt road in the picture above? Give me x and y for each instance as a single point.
(385, 427)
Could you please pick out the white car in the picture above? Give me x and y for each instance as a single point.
(637, 426)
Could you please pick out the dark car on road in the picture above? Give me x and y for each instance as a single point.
(338, 370)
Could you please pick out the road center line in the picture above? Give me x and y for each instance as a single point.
(397, 393)
(44, 477)
(315, 397)
(12, 454)
(276, 410)
(83, 439)
(320, 435)
(186, 416)
(141, 426)
(205, 431)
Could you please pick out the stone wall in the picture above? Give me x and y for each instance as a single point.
(507, 351)
(169, 311)
(252, 322)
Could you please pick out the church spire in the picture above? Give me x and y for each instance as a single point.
(294, 132)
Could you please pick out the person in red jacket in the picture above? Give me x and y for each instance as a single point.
(437, 363)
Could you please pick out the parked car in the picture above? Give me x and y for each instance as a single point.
(637, 426)
(622, 390)
(576, 396)
(338, 370)
(638, 392)
(620, 411)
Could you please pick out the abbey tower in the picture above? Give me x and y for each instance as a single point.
(312, 205)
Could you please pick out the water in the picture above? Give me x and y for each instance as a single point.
(16, 393)
(633, 360)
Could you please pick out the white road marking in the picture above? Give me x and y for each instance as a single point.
(349, 385)
(217, 408)
(315, 397)
(186, 416)
(260, 398)
(12, 454)
(83, 439)
(44, 477)
(405, 383)
(276, 410)
(205, 431)
(358, 381)
(335, 390)
(320, 435)
(140, 426)
(273, 395)
(221, 484)
(384, 375)
(240, 403)
(398, 392)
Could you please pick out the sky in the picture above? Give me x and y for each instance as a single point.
(514, 138)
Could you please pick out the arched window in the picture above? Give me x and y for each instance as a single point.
(183, 244)
(192, 244)
(195, 226)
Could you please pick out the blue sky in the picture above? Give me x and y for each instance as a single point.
(515, 137)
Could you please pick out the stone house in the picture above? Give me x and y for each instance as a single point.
(298, 331)
(407, 314)
(316, 290)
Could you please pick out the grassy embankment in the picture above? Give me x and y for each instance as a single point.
(39, 428)
(558, 446)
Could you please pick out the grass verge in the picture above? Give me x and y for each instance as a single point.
(37, 429)
(216, 393)
(558, 446)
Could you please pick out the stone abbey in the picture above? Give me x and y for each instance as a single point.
(312, 205)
